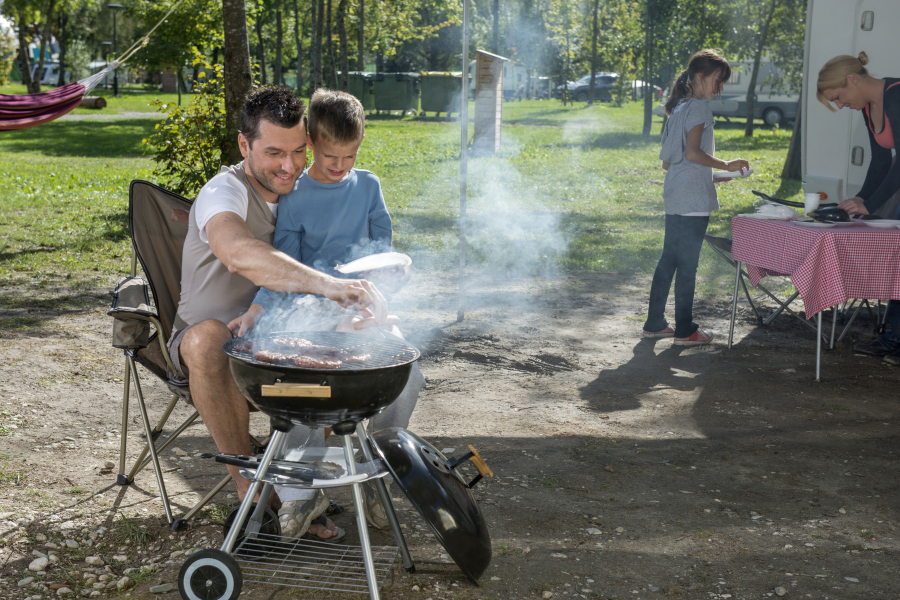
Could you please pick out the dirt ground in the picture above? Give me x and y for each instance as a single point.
(625, 468)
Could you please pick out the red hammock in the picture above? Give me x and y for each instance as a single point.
(21, 112)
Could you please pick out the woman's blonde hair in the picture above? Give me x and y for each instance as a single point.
(833, 75)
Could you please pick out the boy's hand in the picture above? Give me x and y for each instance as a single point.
(358, 323)
(246, 321)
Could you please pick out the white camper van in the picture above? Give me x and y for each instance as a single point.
(773, 108)
(515, 75)
(835, 146)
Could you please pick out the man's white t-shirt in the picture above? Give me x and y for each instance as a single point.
(223, 193)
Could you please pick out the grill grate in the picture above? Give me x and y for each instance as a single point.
(310, 564)
(386, 350)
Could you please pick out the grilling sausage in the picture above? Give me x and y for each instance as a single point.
(298, 360)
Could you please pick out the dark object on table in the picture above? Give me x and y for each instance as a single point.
(826, 213)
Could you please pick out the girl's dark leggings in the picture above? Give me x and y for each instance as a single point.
(680, 255)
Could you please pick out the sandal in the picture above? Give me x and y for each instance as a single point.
(296, 516)
(323, 521)
(663, 333)
(698, 338)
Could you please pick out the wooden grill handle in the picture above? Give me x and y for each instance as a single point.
(479, 463)
(297, 390)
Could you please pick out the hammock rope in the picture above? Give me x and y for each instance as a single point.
(31, 110)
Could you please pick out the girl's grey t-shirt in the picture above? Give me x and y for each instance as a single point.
(688, 187)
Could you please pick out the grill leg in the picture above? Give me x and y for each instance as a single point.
(247, 502)
(360, 502)
(819, 345)
(386, 501)
(737, 281)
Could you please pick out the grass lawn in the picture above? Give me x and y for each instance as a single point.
(129, 100)
(574, 188)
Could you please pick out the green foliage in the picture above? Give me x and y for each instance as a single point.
(7, 54)
(621, 90)
(78, 55)
(128, 532)
(196, 24)
(192, 143)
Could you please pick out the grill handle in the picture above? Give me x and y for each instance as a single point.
(475, 458)
(297, 390)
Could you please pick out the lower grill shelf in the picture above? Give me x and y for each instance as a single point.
(304, 563)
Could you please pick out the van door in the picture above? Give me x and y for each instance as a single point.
(876, 23)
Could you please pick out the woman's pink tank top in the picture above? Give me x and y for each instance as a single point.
(885, 139)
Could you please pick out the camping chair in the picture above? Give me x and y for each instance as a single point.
(722, 247)
(158, 221)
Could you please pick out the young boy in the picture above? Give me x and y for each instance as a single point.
(334, 214)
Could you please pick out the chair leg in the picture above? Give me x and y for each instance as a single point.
(833, 325)
(850, 322)
(818, 345)
(121, 478)
(180, 522)
(151, 445)
(142, 461)
(734, 297)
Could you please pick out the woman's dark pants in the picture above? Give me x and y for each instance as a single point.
(681, 253)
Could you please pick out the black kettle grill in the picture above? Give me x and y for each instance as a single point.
(339, 398)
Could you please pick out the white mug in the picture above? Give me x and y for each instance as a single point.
(811, 202)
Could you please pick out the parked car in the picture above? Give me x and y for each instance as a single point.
(579, 90)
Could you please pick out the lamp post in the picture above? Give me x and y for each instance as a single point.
(106, 46)
(115, 8)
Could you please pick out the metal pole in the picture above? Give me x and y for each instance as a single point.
(463, 160)
(115, 54)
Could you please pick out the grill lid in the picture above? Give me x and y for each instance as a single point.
(387, 350)
(440, 495)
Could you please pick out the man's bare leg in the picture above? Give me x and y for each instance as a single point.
(216, 397)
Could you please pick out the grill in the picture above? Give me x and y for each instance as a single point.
(386, 351)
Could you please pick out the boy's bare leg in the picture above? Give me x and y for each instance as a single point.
(216, 397)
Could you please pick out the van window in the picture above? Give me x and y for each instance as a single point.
(735, 77)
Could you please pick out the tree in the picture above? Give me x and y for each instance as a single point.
(361, 40)
(260, 47)
(195, 25)
(237, 75)
(317, 45)
(279, 49)
(594, 32)
(298, 41)
(34, 18)
(8, 52)
(565, 34)
(342, 36)
(329, 47)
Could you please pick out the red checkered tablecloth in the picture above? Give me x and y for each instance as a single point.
(827, 266)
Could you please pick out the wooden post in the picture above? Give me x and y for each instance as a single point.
(488, 102)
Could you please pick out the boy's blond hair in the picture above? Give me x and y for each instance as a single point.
(337, 117)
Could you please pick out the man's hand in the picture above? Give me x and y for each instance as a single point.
(246, 321)
(854, 206)
(358, 294)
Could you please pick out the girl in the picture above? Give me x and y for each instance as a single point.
(688, 155)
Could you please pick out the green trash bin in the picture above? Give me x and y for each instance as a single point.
(440, 92)
(397, 91)
(362, 87)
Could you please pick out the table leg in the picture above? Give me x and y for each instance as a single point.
(819, 345)
(737, 281)
(833, 325)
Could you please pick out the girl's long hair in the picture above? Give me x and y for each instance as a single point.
(705, 62)
(833, 75)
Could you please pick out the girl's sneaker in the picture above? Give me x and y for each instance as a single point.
(663, 333)
(698, 338)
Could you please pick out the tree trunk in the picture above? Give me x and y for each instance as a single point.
(299, 43)
(361, 38)
(320, 25)
(496, 14)
(342, 36)
(792, 163)
(63, 41)
(648, 70)
(24, 59)
(179, 83)
(36, 82)
(329, 46)
(260, 48)
(238, 75)
(277, 77)
(757, 57)
(593, 55)
(379, 61)
(313, 19)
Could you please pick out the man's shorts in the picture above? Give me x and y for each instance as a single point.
(174, 346)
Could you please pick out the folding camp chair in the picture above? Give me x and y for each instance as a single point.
(158, 220)
(722, 247)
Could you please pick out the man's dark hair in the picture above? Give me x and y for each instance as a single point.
(277, 105)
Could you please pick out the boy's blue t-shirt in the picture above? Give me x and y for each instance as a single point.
(323, 225)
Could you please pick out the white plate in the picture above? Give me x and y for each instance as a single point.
(881, 224)
(375, 261)
(763, 217)
(844, 224)
(813, 224)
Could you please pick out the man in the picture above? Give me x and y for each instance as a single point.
(228, 254)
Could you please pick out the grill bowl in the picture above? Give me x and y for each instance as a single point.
(358, 390)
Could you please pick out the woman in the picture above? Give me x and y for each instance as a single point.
(845, 81)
